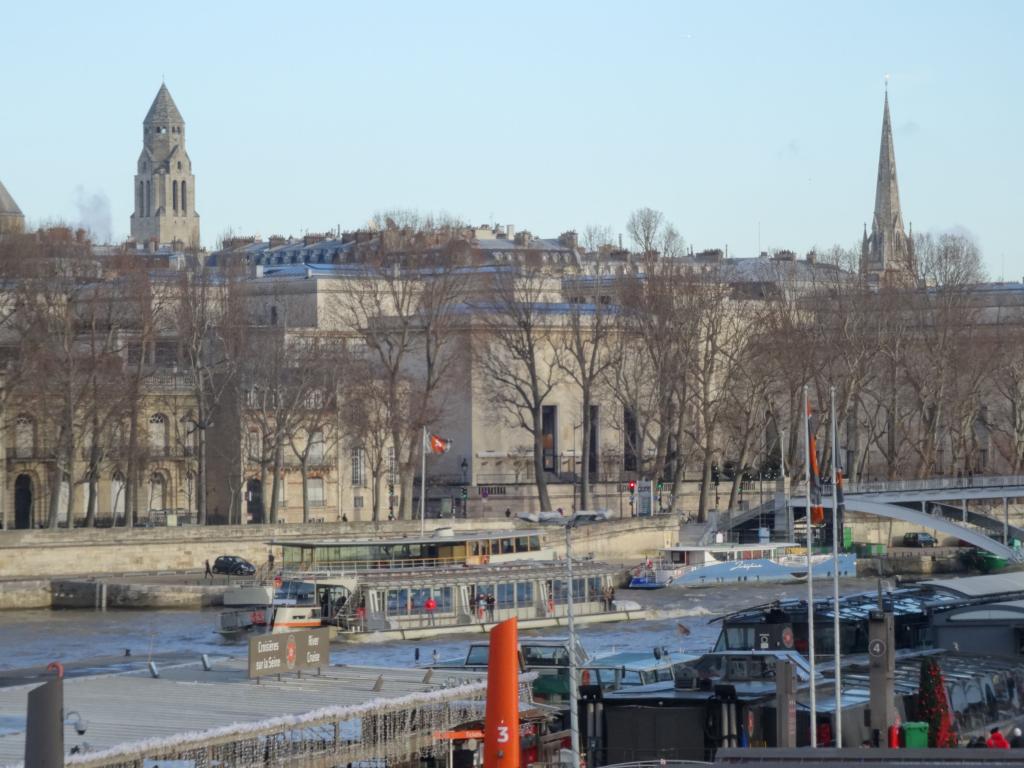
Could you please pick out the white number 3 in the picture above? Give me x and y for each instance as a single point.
(502, 734)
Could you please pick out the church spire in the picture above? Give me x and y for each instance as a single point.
(887, 192)
(888, 250)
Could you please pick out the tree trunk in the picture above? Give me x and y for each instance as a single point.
(543, 498)
(263, 490)
(56, 476)
(91, 501)
(305, 486)
(201, 468)
(131, 480)
(276, 483)
(587, 429)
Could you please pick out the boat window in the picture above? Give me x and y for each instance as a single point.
(739, 638)
(443, 597)
(595, 584)
(663, 674)
(398, 602)
(508, 546)
(545, 656)
(523, 544)
(478, 654)
(524, 593)
(506, 596)
(534, 543)
(419, 598)
(631, 677)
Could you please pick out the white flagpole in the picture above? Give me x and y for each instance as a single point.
(810, 575)
(835, 576)
(423, 484)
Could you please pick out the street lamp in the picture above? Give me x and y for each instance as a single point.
(574, 691)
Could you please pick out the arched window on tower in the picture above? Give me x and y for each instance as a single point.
(149, 198)
(174, 194)
(184, 197)
(140, 199)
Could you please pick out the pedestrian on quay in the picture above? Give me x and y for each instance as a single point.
(209, 571)
(996, 740)
(490, 607)
(1016, 739)
(270, 560)
(508, 511)
(430, 606)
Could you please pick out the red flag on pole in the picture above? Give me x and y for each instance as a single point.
(439, 445)
(817, 511)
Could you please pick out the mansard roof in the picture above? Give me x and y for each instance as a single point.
(163, 109)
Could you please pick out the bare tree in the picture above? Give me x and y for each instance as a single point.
(589, 353)
(519, 357)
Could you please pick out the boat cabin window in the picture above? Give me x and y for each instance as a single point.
(545, 656)
(299, 591)
(737, 639)
(478, 655)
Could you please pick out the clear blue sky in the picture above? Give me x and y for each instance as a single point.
(551, 115)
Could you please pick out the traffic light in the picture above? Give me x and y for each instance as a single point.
(632, 487)
(661, 484)
(465, 494)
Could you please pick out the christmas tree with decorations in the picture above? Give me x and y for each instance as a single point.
(933, 706)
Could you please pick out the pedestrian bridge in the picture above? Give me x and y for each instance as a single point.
(941, 504)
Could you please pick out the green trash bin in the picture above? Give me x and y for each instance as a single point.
(915, 735)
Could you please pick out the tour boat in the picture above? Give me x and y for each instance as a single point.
(413, 587)
(722, 563)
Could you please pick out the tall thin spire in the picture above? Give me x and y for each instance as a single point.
(888, 249)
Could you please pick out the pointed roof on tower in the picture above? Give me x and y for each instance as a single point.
(887, 192)
(163, 109)
(7, 204)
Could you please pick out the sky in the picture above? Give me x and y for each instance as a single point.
(751, 125)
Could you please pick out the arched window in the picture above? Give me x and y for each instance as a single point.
(117, 497)
(158, 434)
(157, 492)
(149, 199)
(174, 195)
(140, 199)
(184, 197)
(24, 437)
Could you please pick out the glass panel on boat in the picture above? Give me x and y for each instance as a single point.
(524, 593)
(478, 654)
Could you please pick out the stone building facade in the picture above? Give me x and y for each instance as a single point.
(165, 189)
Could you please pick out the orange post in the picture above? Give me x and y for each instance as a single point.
(501, 720)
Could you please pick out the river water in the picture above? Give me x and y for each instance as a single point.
(34, 638)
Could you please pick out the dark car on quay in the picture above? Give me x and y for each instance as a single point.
(233, 565)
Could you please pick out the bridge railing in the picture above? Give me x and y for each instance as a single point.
(925, 484)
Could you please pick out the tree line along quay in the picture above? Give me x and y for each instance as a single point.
(292, 380)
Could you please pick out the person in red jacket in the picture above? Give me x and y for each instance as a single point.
(996, 740)
(430, 605)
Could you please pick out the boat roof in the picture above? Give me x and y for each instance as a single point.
(427, 539)
(388, 578)
(640, 660)
(135, 707)
(981, 586)
(728, 547)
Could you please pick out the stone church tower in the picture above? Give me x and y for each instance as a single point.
(12, 221)
(165, 189)
(887, 254)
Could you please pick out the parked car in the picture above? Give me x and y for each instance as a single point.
(918, 539)
(232, 565)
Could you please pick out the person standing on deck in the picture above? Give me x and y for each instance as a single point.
(430, 606)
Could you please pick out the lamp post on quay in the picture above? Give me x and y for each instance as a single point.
(574, 690)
